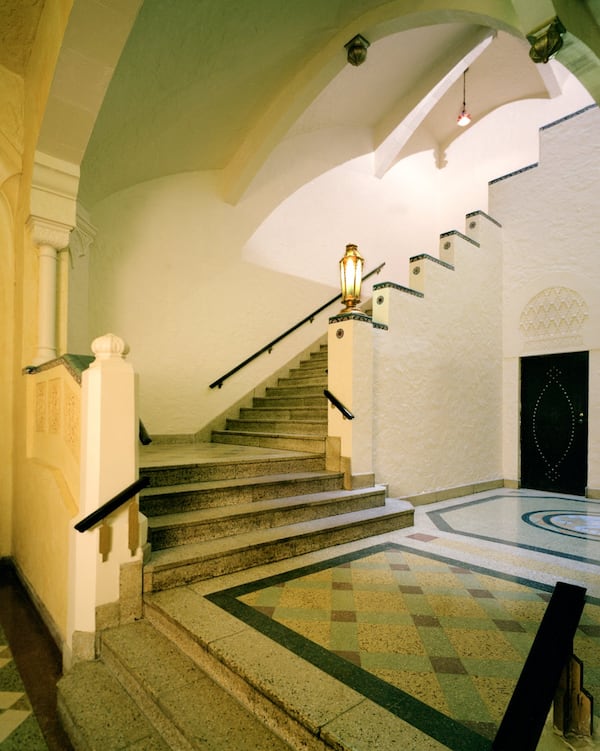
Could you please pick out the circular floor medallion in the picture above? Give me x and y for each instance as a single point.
(573, 523)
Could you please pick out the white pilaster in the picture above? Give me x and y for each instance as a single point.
(350, 348)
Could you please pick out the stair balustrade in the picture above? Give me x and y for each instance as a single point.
(337, 404)
(269, 347)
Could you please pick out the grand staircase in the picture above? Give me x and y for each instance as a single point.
(259, 493)
(212, 519)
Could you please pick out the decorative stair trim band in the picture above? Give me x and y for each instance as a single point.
(479, 212)
(535, 165)
(399, 287)
(427, 257)
(456, 233)
(357, 316)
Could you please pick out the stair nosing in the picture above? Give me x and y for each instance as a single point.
(197, 552)
(235, 482)
(220, 513)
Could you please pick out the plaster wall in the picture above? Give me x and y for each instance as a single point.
(6, 376)
(437, 374)
(549, 217)
(167, 274)
(38, 507)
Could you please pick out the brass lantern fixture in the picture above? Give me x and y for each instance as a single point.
(351, 267)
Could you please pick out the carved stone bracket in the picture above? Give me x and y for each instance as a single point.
(83, 235)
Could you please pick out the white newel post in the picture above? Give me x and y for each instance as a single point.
(108, 465)
(350, 379)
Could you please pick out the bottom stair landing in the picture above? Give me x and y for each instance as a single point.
(191, 675)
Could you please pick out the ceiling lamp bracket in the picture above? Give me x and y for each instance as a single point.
(546, 40)
(356, 50)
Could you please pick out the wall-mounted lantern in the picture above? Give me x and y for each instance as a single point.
(351, 267)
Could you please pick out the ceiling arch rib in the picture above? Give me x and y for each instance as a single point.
(383, 19)
(430, 90)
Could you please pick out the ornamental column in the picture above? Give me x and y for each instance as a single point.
(53, 211)
(49, 238)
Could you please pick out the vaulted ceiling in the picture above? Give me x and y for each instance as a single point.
(199, 84)
(218, 84)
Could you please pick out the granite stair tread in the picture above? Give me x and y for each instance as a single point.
(165, 520)
(308, 427)
(235, 482)
(271, 439)
(286, 402)
(152, 696)
(214, 557)
(285, 413)
(181, 528)
(99, 715)
(308, 389)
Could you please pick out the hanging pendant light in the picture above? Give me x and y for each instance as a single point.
(464, 118)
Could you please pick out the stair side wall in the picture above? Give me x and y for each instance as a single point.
(549, 214)
(438, 370)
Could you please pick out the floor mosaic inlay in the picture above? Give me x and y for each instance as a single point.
(19, 729)
(437, 642)
(524, 520)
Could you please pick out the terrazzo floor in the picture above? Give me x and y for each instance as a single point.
(433, 623)
(30, 665)
(428, 624)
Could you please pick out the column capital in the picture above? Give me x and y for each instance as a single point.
(49, 232)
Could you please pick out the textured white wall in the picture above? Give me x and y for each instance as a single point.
(168, 277)
(438, 370)
(549, 216)
(195, 285)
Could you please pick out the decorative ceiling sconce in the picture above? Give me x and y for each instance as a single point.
(464, 118)
(546, 40)
(357, 50)
(351, 267)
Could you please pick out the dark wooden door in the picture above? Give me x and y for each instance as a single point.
(554, 433)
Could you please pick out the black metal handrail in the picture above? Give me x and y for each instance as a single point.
(338, 405)
(107, 508)
(268, 347)
(524, 719)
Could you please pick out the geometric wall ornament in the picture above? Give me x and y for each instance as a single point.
(40, 407)
(54, 405)
(554, 313)
(71, 430)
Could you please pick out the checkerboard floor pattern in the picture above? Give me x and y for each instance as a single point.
(452, 637)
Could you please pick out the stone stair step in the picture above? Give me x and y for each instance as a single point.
(99, 715)
(159, 476)
(170, 530)
(302, 427)
(278, 402)
(284, 413)
(291, 390)
(232, 491)
(319, 379)
(173, 567)
(291, 442)
(309, 368)
(186, 706)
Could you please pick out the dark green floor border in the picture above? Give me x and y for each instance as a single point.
(437, 517)
(430, 721)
